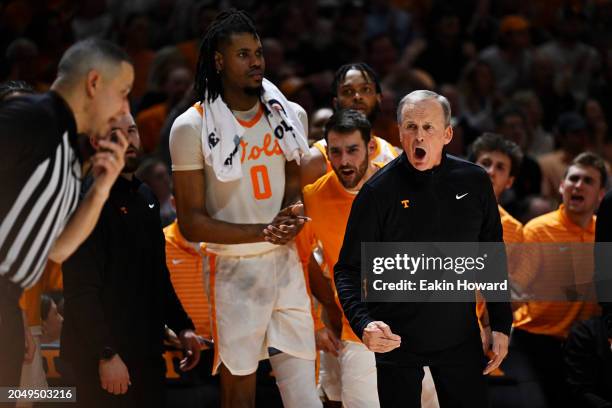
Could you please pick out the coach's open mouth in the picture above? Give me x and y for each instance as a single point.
(420, 153)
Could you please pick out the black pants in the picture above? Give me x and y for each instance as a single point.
(457, 375)
(147, 376)
(12, 341)
(542, 372)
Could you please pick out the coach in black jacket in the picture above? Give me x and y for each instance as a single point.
(118, 297)
(424, 196)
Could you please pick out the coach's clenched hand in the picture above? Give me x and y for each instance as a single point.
(378, 337)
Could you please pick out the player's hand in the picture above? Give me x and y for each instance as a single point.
(332, 316)
(500, 351)
(114, 375)
(108, 162)
(191, 346)
(327, 341)
(30, 346)
(286, 225)
(378, 337)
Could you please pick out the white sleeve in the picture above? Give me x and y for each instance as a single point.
(186, 142)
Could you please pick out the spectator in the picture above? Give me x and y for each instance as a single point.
(478, 99)
(546, 270)
(512, 124)
(556, 97)
(597, 124)
(152, 119)
(383, 17)
(541, 141)
(510, 59)
(135, 33)
(572, 140)
(92, 20)
(21, 56)
(576, 63)
(445, 43)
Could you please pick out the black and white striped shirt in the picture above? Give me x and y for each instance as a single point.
(40, 181)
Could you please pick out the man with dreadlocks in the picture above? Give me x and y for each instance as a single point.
(259, 301)
(355, 86)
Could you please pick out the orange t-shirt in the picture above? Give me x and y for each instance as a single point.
(513, 234)
(185, 264)
(150, 122)
(541, 268)
(324, 200)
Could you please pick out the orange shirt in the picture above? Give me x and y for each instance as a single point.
(185, 264)
(150, 122)
(30, 299)
(542, 269)
(327, 200)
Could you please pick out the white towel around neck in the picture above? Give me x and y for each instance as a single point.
(221, 132)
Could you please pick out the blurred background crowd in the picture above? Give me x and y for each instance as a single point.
(539, 72)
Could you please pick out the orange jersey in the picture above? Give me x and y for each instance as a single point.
(185, 265)
(541, 268)
(30, 299)
(513, 234)
(327, 200)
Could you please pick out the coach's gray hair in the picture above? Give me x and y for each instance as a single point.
(85, 55)
(422, 95)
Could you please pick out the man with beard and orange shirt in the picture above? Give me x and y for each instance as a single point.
(347, 134)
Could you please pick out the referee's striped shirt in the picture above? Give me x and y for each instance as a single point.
(40, 176)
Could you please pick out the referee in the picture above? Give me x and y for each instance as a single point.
(450, 200)
(40, 169)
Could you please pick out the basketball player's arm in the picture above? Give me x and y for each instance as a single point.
(313, 167)
(194, 221)
(321, 288)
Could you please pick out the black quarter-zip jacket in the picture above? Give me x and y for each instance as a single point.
(117, 286)
(453, 202)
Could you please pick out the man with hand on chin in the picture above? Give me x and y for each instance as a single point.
(119, 297)
(424, 195)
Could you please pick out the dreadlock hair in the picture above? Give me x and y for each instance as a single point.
(226, 23)
(362, 67)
